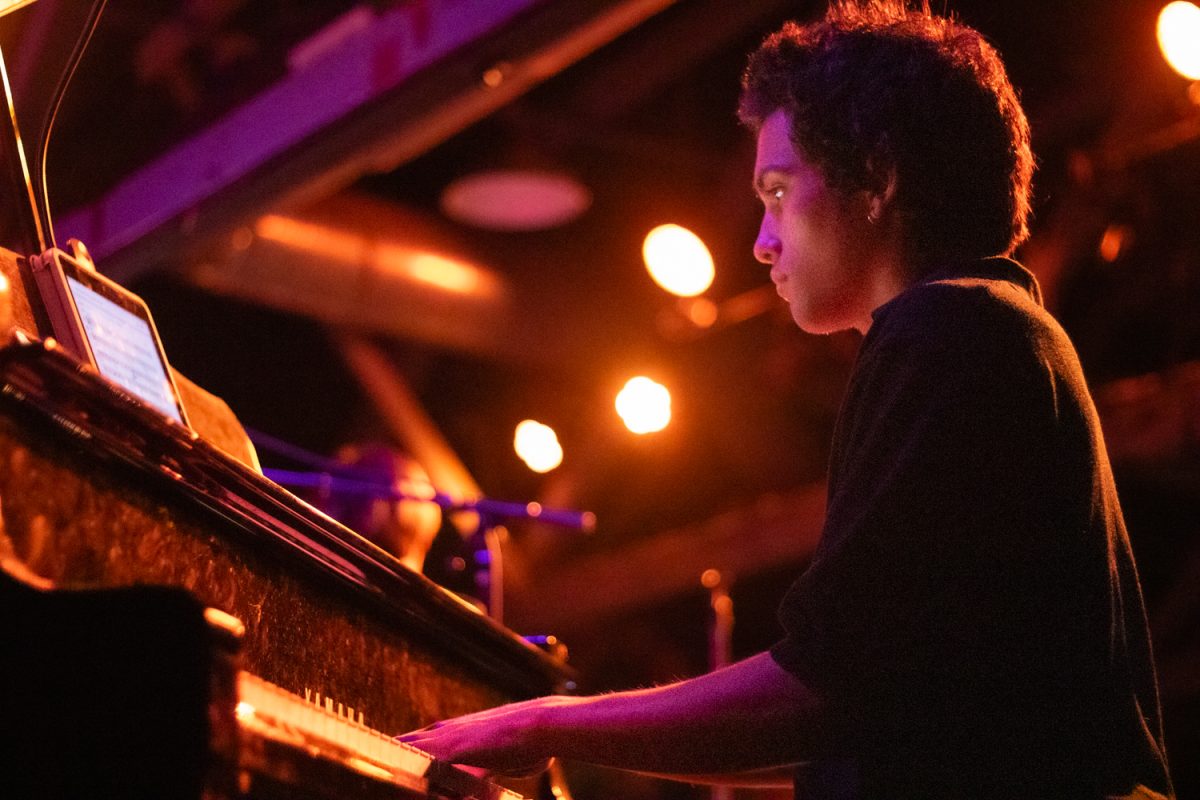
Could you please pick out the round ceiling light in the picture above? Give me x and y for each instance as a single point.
(515, 200)
(1179, 37)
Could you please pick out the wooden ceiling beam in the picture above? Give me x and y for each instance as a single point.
(377, 99)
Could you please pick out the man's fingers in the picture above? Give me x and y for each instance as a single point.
(411, 736)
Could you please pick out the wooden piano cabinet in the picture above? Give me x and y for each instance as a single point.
(98, 491)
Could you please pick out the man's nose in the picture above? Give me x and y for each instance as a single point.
(766, 246)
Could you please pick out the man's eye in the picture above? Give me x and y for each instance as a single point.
(771, 195)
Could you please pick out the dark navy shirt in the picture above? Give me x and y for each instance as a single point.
(972, 613)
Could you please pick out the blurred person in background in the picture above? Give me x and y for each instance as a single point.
(405, 525)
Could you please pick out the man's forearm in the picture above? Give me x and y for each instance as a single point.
(747, 716)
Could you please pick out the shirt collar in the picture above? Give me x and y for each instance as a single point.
(995, 268)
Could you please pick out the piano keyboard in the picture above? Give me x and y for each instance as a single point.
(282, 735)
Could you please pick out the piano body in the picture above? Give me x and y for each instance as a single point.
(135, 689)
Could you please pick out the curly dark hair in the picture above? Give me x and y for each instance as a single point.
(879, 83)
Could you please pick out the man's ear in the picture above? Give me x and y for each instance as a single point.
(882, 185)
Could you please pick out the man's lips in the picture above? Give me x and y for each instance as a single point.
(779, 279)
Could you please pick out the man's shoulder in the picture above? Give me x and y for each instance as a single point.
(963, 310)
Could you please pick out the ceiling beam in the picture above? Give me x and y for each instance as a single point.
(415, 76)
(672, 45)
(371, 266)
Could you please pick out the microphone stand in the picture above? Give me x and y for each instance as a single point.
(584, 521)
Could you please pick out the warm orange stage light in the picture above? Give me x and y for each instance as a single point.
(1114, 242)
(1179, 37)
(644, 405)
(537, 445)
(678, 260)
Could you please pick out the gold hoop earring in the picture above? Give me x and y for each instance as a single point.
(872, 218)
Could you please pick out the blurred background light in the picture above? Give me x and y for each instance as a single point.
(644, 405)
(700, 311)
(516, 199)
(1179, 37)
(537, 445)
(678, 260)
(1115, 242)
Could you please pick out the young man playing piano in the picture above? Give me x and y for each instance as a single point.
(971, 624)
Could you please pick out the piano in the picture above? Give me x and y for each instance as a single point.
(173, 624)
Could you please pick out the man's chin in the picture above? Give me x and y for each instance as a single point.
(818, 325)
(808, 322)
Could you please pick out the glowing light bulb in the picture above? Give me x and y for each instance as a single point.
(1179, 37)
(644, 406)
(678, 260)
(537, 445)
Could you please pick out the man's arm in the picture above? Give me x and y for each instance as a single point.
(747, 716)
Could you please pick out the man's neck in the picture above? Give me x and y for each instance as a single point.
(887, 278)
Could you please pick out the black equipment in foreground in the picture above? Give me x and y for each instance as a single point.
(134, 693)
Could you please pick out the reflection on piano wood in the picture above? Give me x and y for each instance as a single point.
(99, 493)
